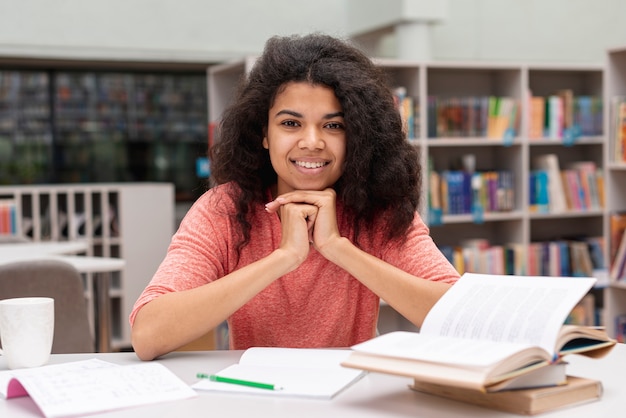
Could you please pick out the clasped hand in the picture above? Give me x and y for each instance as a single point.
(307, 217)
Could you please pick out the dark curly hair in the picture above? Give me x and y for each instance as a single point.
(382, 174)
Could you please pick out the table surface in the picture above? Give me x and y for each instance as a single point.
(375, 395)
(43, 248)
(61, 250)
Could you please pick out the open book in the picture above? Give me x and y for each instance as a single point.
(90, 386)
(305, 372)
(486, 330)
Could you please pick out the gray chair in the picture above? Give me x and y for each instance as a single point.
(62, 282)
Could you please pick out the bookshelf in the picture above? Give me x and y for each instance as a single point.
(510, 231)
(616, 179)
(25, 126)
(65, 125)
(117, 220)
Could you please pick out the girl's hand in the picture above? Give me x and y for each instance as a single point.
(322, 223)
(296, 221)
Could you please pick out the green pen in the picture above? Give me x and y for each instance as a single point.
(249, 383)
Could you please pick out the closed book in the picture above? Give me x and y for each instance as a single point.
(532, 401)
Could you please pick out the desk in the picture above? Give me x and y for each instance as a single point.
(43, 248)
(100, 267)
(376, 395)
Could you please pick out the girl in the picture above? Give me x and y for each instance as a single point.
(312, 219)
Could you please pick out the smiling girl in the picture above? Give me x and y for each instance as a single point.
(311, 221)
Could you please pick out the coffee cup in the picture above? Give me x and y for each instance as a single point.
(26, 331)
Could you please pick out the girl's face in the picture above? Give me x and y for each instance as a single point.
(306, 137)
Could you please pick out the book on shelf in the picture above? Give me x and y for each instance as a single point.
(530, 401)
(90, 386)
(538, 191)
(567, 100)
(486, 330)
(618, 124)
(554, 117)
(618, 267)
(588, 115)
(503, 117)
(536, 117)
(556, 194)
(617, 228)
(297, 372)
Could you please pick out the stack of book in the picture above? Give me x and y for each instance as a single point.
(496, 341)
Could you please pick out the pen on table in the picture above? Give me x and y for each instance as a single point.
(249, 383)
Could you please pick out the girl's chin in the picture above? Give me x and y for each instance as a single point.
(282, 189)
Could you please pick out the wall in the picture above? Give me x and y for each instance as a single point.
(530, 30)
(161, 30)
(211, 30)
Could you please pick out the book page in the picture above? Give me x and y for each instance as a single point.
(94, 386)
(46, 371)
(302, 372)
(520, 309)
(441, 349)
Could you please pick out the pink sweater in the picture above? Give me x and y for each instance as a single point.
(316, 305)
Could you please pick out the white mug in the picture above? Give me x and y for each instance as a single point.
(26, 331)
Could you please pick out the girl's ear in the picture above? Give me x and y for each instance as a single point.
(266, 145)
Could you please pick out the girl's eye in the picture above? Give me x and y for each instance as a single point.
(290, 123)
(335, 125)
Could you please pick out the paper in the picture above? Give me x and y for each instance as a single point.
(89, 386)
(303, 372)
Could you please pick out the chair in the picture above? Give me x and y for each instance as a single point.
(62, 282)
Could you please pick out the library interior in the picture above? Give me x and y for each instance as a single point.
(517, 109)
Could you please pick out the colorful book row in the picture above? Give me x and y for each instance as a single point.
(565, 116)
(474, 116)
(8, 217)
(456, 192)
(478, 256)
(570, 258)
(579, 186)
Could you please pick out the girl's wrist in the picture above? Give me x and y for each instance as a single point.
(287, 260)
(336, 249)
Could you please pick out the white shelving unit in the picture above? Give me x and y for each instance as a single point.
(132, 221)
(616, 176)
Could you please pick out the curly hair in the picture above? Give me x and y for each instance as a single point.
(382, 174)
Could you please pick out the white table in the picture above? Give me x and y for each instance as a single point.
(43, 248)
(100, 267)
(376, 395)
